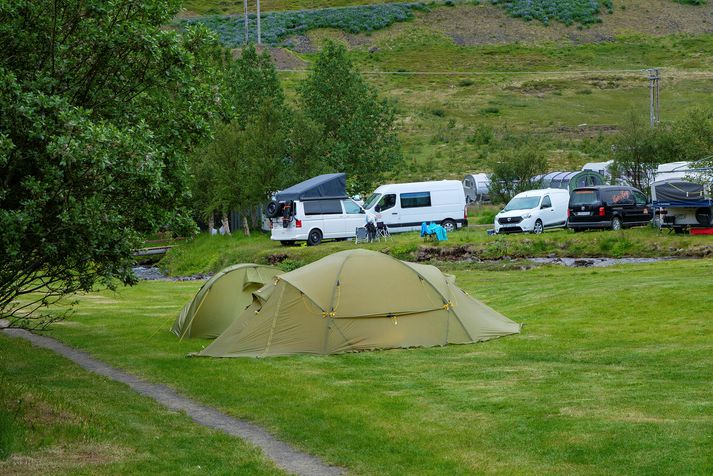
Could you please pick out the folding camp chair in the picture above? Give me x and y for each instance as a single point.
(382, 231)
(361, 235)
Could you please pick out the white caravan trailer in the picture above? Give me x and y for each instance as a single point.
(602, 168)
(476, 188)
(405, 206)
(683, 170)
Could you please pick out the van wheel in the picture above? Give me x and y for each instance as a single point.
(449, 225)
(616, 223)
(314, 238)
(538, 228)
(287, 242)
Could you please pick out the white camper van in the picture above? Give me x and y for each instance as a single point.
(314, 210)
(534, 211)
(404, 206)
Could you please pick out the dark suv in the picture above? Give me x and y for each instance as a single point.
(607, 206)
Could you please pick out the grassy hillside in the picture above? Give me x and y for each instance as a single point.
(470, 80)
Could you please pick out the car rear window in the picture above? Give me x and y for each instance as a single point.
(583, 197)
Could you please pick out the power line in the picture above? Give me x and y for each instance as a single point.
(511, 73)
(477, 73)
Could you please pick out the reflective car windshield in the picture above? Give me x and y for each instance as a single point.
(372, 200)
(522, 203)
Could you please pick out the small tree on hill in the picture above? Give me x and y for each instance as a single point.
(514, 172)
(358, 129)
(245, 160)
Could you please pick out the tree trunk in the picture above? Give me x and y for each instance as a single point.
(246, 228)
(211, 224)
(226, 224)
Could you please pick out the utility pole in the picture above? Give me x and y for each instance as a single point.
(246, 21)
(258, 22)
(655, 109)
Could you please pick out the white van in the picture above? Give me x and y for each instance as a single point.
(320, 219)
(405, 206)
(314, 210)
(534, 211)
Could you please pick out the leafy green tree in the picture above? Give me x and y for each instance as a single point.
(358, 128)
(246, 159)
(637, 152)
(514, 170)
(99, 107)
(639, 149)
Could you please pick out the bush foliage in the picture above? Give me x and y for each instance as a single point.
(584, 12)
(276, 26)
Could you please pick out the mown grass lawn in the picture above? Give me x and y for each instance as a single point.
(56, 418)
(612, 374)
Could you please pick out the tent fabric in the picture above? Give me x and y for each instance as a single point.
(221, 299)
(321, 186)
(358, 300)
(678, 190)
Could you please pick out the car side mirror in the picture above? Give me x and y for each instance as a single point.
(362, 211)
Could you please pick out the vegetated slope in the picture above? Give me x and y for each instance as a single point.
(456, 123)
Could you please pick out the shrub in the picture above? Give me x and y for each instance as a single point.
(490, 110)
(583, 12)
(276, 26)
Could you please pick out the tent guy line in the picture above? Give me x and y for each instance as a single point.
(282, 454)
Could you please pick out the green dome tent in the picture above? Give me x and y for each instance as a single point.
(221, 299)
(358, 300)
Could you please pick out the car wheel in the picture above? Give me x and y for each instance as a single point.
(616, 223)
(449, 225)
(287, 242)
(538, 228)
(314, 238)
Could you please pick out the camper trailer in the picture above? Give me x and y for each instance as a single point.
(602, 168)
(404, 206)
(570, 180)
(682, 196)
(476, 188)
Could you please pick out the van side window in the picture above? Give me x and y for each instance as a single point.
(640, 198)
(467, 183)
(323, 207)
(387, 201)
(546, 202)
(351, 208)
(623, 197)
(415, 199)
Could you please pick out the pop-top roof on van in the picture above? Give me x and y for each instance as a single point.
(321, 186)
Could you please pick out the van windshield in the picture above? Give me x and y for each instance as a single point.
(371, 201)
(522, 203)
